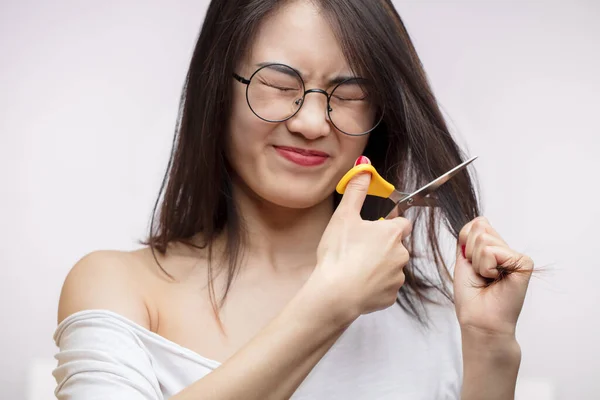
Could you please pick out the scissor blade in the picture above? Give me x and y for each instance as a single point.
(410, 200)
(428, 201)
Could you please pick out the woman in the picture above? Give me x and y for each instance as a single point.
(258, 282)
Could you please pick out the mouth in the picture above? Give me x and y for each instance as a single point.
(303, 157)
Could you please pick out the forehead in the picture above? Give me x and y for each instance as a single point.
(298, 34)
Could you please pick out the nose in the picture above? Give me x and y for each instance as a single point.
(311, 120)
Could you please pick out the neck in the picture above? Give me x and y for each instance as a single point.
(281, 238)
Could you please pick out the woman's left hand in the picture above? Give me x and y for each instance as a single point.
(483, 307)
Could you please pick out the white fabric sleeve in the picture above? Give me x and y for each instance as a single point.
(100, 357)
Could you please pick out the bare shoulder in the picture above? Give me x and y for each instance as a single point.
(107, 280)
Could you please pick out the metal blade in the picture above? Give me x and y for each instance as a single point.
(417, 196)
(428, 201)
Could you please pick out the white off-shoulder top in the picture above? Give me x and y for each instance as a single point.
(383, 355)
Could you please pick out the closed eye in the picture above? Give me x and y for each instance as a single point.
(351, 99)
(278, 87)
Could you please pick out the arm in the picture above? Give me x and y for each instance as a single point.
(355, 274)
(490, 366)
(276, 361)
(271, 366)
(490, 283)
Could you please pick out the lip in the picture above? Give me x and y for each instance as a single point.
(303, 157)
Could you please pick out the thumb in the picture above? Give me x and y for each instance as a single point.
(357, 188)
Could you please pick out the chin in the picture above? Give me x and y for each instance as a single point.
(289, 191)
(292, 198)
(295, 200)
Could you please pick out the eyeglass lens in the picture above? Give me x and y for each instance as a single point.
(276, 93)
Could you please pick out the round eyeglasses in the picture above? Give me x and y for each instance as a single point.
(276, 92)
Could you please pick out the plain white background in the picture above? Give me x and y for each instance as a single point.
(88, 100)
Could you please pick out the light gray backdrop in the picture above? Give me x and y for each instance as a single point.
(88, 99)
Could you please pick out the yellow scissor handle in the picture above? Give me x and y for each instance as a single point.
(379, 187)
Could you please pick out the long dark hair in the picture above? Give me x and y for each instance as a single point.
(410, 147)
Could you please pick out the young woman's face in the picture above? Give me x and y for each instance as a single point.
(298, 162)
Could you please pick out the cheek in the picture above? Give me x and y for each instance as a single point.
(351, 148)
(246, 135)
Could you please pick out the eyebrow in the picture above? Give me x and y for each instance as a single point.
(280, 67)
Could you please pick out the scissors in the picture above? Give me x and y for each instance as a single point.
(402, 201)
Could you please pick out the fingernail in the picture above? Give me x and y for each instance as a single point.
(362, 160)
(463, 247)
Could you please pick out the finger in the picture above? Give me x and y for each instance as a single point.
(490, 229)
(508, 258)
(404, 227)
(477, 225)
(484, 262)
(465, 273)
(511, 260)
(401, 256)
(483, 241)
(477, 229)
(481, 220)
(463, 235)
(356, 190)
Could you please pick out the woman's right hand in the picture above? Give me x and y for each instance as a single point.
(361, 262)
